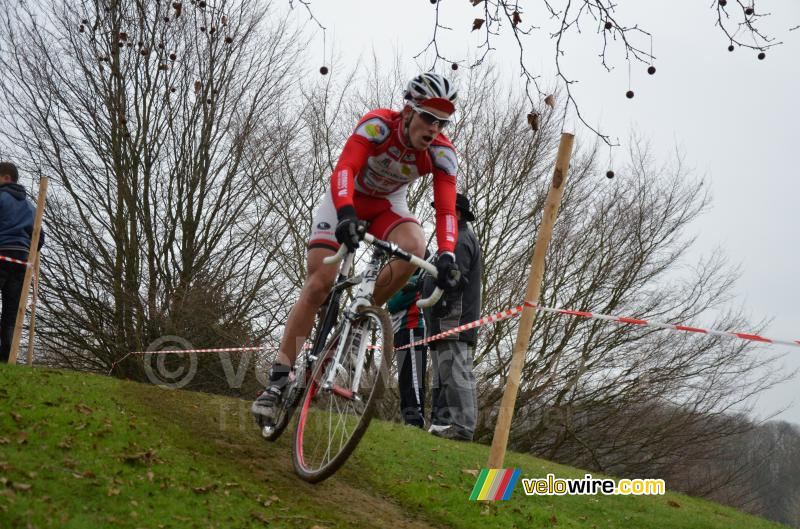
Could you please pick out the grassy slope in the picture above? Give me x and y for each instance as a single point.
(78, 450)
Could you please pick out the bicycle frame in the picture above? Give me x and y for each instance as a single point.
(363, 297)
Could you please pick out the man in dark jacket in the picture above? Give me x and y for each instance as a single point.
(16, 228)
(454, 408)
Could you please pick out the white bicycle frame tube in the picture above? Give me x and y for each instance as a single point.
(416, 261)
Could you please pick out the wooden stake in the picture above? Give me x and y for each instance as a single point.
(32, 329)
(33, 255)
(528, 317)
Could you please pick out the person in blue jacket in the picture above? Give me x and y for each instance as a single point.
(16, 227)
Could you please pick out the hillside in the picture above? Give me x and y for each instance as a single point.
(80, 450)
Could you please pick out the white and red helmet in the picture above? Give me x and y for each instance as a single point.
(432, 90)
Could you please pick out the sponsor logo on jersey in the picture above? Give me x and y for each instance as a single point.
(450, 227)
(374, 130)
(380, 177)
(341, 183)
(444, 158)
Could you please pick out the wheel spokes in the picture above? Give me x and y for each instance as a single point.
(331, 417)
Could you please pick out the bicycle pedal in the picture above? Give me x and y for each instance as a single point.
(267, 430)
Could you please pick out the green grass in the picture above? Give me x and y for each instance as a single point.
(80, 450)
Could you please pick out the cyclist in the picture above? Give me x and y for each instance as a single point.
(387, 151)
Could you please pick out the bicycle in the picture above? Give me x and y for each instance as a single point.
(342, 377)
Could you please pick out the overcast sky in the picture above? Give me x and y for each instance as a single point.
(735, 118)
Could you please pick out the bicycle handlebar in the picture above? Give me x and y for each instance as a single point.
(396, 251)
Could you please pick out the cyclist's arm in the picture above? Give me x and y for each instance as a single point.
(353, 157)
(444, 196)
(371, 131)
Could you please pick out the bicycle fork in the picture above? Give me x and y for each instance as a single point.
(352, 335)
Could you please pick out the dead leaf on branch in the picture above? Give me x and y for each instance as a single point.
(476, 2)
(533, 120)
(515, 18)
(477, 23)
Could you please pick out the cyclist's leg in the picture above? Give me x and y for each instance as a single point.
(391, 220)
(318, 282)
(407, 235)
(315, 289)
(398, 225)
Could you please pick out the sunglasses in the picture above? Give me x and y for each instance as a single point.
(431, 119)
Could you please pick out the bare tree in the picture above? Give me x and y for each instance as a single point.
(142, 114)
(569, 23)
(620, 246)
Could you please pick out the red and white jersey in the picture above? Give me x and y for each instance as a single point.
(376, 162)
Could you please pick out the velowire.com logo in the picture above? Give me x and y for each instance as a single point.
(495, 484)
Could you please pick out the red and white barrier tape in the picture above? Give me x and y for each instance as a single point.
(499, 316)
(12, 260)
(185, 351)
(512, 312)
(35, 294)
(669, 326)
(217, 350)
(213, 350)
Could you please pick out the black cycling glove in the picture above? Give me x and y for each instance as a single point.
(448, 273)
(350, 230)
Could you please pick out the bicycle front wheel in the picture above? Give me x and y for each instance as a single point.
(333, 419)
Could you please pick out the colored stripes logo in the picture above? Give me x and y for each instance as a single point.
(495, 484)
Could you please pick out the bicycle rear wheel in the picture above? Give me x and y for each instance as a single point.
(333, 420)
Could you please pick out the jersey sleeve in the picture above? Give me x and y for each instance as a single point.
(371, 130)
(444, 198)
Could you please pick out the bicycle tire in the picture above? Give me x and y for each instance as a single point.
(317, 474)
